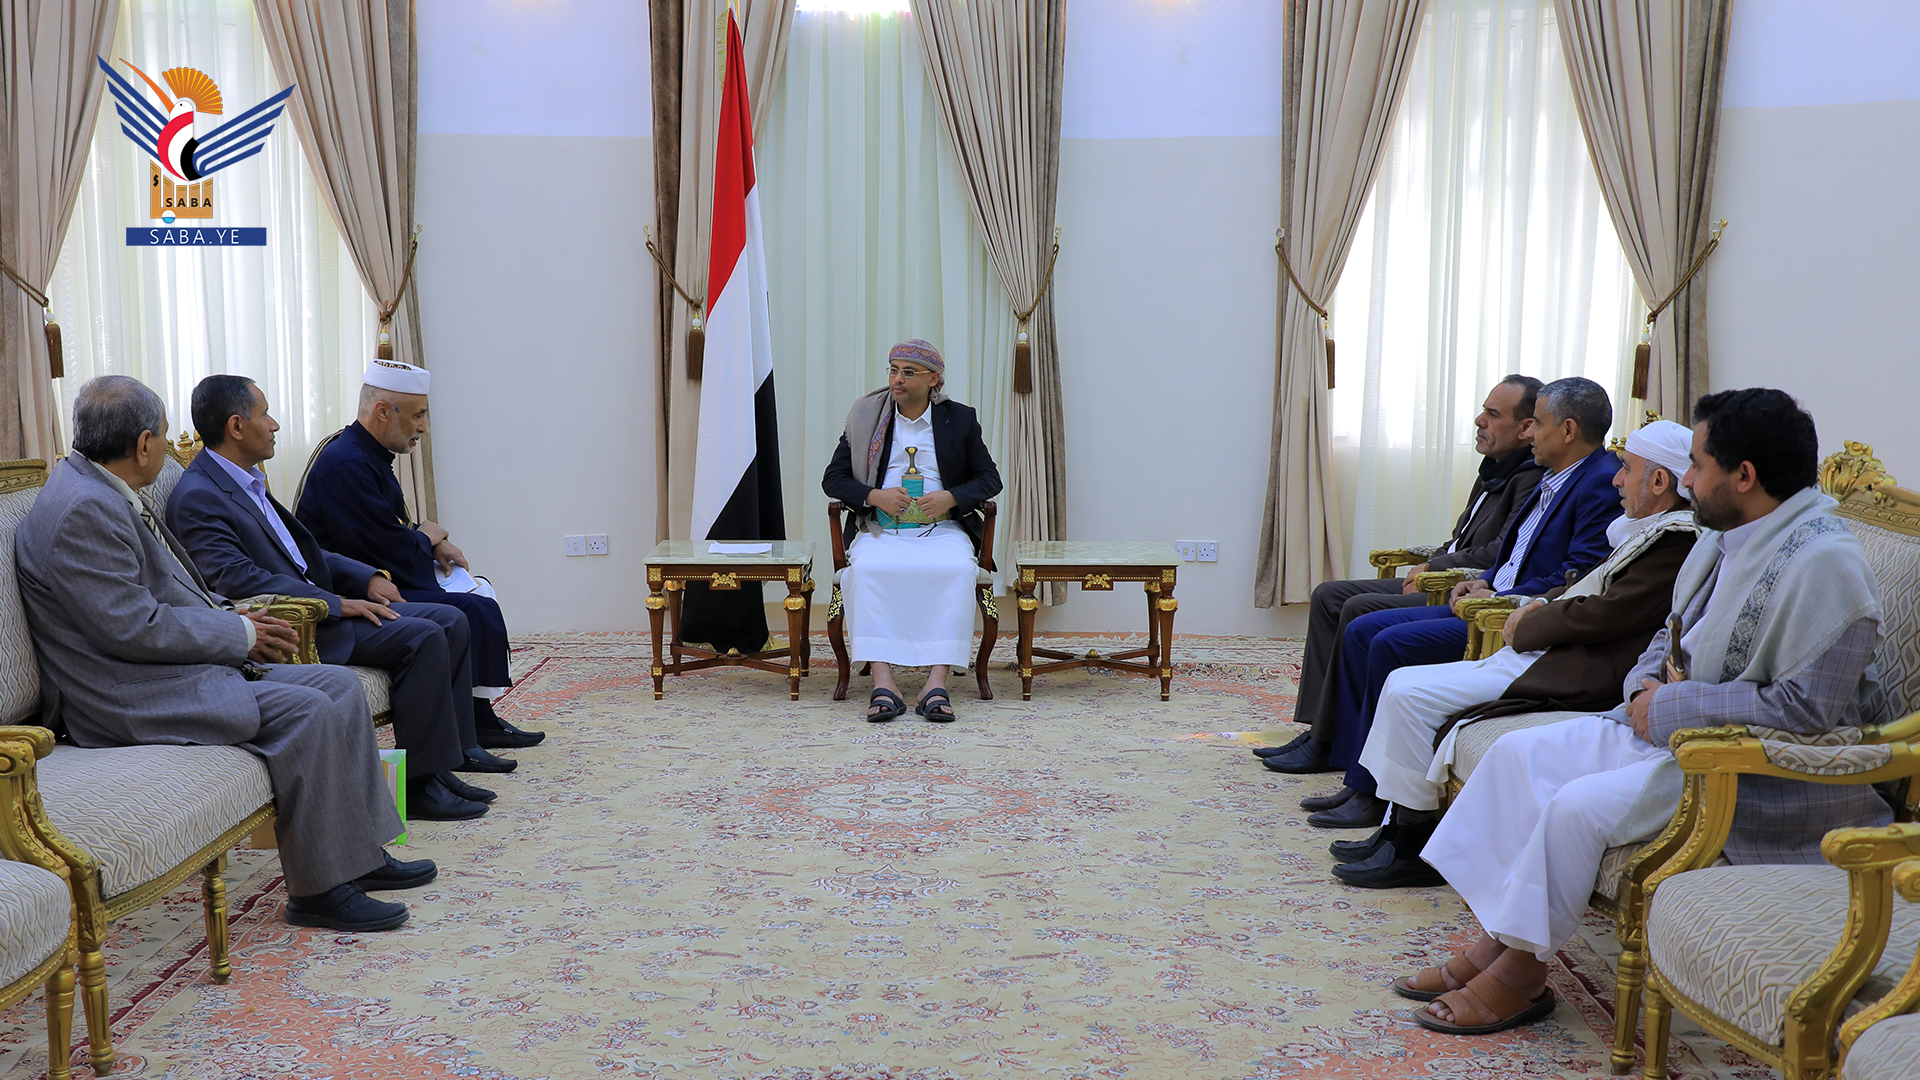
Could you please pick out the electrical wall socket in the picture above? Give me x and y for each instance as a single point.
(1209, 551)
(1186, 548)
(576, 545)
(596, 543)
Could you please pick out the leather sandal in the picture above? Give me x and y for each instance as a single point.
(1429, 984)
(936, 706)
(887, 711)
(1491, 1005)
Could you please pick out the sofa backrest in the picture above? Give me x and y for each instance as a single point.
(1886, 519)
(20, 481)
(157, 492)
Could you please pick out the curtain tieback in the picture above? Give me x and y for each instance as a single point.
(1022, 348)
(1326, 324)
(1643, 352)
(56, 364)
(385, 350)
(696, 327)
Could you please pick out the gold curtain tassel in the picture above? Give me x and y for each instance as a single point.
(384, 350)
(1022, 363)
(1642, 368)
(1326, 331)
(56, 363)
(696, 346)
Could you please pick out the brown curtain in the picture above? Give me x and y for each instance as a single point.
(1344, 68)
(50, 89)
(995, 68)
(688, 41)
(1646, 81)
(355, 112)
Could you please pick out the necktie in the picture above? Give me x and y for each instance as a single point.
(153, 526)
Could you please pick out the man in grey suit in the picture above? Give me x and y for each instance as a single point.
(244, 543)
(134, 649)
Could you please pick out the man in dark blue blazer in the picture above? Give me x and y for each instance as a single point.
(353, 504)
(1553, 538)
(245, 543)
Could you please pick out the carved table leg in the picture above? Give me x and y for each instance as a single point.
(60, 1020)
(797, 644)
(657, 617)
(214, 889)
(1028, 605)
(806, 658)
(1152, 589)
(676, 590)
(1167, 605)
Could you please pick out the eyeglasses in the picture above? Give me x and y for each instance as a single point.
(895, 370)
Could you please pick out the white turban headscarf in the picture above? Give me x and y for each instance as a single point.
(1667, 445)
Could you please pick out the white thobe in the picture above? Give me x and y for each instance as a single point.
(1522, 844)
(909, 592)
(1414, 705)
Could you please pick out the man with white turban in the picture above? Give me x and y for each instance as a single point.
(915, 488)
(1568, 650)
(352, 503)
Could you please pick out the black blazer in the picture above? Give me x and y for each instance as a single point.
(234, 548)
(966, 470)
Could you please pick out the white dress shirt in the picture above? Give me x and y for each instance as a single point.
(917, 433)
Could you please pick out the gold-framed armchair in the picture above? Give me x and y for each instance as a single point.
(1484, 616)
(1388, 561)
(1769, 958)
(1883, 1041)
(41, 932)
(983, 596)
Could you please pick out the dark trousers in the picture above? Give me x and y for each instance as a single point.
(486, 632)
(1374, 647)
(424, 653)
(1335, 604)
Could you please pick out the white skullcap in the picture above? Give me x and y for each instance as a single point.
(400, 378)
(1666, 444)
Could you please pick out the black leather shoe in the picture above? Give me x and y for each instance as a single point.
(398, 874)
(1270, 751)
(1360, 812)
(1350, 851)
(1328, 801)
(465, 790)
(1307, 755)
(496, 734)
(345, 907)
(429, 800)
(1388, 870)
(478, 760)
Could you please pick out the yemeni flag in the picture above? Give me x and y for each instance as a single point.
(736, 472)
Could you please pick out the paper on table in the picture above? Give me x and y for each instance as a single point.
(721, 547)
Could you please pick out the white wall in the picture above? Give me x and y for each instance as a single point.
(1813, 290)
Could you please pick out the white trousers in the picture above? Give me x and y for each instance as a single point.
(909, 598)
(1414, 704)
(1522, 843)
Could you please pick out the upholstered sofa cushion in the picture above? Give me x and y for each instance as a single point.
(19, 671)
(143, 810)
(1889, 1050)
(1895, 558)
(36, 911)
(1740, 939)
(1472, 741)
(377, 686)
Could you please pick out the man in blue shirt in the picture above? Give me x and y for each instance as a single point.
(1555, 537)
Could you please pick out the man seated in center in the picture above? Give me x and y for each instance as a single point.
(909, 583)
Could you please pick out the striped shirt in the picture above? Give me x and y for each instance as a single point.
(1550, 486)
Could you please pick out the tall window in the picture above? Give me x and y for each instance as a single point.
(1485, 250)
(870, 238)
(292, 315)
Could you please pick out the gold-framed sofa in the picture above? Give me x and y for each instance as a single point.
(37, 929)
(1435, 584)
(129, 823)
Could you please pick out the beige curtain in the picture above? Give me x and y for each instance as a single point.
(683, 191)
(1646, 81)
(1345, 66)
(50, 89)
(354, 63)
(995, 68)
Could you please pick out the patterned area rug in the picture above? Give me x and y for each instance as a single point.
(727, 884)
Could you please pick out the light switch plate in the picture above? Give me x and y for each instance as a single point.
(576, 545)
(1187, 549)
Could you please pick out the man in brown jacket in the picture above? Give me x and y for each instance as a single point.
(1508, 475)
(1568, 650)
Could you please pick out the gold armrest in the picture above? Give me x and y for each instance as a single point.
(1472, 606)
(1438, 583)
(1905, 729)
(1388, 560)
(1905, 995)
(20, 841)
(304, 613)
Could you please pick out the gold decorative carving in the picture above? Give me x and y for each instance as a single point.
(1026, 575)
(795, 603)
(1167, 576)
(724, 582)
(1152, 586)
(1167, 603)
(675, 586)
(1097, 582)
(1853, 469)
(793, 672)
(22, 474)
(1028, 603)
(653, 575)
(1026, 673)
(793, 575)
(658, 671)
(655, 603)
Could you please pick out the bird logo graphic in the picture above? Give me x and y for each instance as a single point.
(184, 158)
